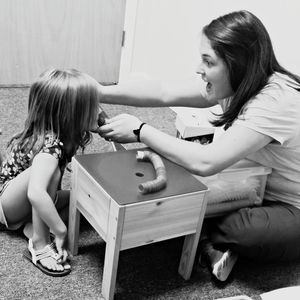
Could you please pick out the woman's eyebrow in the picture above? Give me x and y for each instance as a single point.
(205, 56)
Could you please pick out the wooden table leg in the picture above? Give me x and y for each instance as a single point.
(113, 245)
(74, 215)
(190, 247)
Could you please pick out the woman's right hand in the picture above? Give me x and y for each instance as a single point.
(120, 128)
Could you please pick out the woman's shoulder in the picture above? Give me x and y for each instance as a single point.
(281, 84)
(279, 93)
(275, 111)
(276, 101)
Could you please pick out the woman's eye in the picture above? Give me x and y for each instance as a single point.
(208, 63)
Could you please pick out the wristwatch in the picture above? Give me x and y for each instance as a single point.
(138, 131)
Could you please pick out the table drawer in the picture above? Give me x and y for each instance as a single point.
(150, 222)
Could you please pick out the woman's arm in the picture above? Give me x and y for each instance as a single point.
(235, 144)
(43, 169)
(154, 93)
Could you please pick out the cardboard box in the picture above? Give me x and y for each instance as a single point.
(193, 127)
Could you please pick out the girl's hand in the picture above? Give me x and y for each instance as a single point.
(60, 242)
(120, 128)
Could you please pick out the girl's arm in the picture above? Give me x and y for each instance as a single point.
(235, 144)
(151, 93)
(42, 176)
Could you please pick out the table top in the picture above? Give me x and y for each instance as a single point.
(119, 174)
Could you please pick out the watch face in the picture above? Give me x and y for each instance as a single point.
(137, 132)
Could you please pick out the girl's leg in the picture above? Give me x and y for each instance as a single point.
(41, 234)
(40, 230)
(18, 209)
(41, 238)
(15, 204)
(267, 233)
(62, 206)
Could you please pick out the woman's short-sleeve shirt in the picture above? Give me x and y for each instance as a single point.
(275, 112)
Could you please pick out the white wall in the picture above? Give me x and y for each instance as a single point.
(162, 35)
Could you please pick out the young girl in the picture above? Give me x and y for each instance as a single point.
(62, 109)
(261, 115)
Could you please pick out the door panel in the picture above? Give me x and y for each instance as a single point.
(37, 34)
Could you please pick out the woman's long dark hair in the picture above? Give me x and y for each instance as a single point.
(64, 102)
(242, 41)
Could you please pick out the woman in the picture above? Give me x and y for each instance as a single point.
(261, 114)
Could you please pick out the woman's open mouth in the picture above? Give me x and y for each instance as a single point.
(208, 87)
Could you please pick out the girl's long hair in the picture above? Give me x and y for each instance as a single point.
(242, 41)
(64, 102)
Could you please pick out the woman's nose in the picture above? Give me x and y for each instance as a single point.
(199, 69)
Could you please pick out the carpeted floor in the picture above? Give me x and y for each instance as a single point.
(148, 272)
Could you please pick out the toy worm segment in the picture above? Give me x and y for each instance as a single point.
(160, 181)
(101, 118)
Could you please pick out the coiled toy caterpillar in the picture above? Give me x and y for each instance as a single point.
(160, 181)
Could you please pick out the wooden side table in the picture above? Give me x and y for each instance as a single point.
(105, 191)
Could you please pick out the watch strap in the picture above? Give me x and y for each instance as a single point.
(137, 132)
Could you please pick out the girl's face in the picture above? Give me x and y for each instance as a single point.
(94, 126)
(94, 123)
(213, 71)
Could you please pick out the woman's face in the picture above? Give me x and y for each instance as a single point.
(213, 71)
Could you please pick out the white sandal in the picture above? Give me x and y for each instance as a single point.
(49, 250)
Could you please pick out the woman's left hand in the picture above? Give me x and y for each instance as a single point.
(120, 128)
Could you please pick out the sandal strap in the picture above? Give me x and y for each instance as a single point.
(47, 251)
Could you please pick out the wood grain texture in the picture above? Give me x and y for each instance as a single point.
(154, 221)
(92, 202)
(37, 34)
(74, 215)
(112, 250)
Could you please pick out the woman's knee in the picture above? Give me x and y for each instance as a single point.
(244, 227)
(261, 233)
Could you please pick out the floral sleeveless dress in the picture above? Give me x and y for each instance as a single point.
(17, 161)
